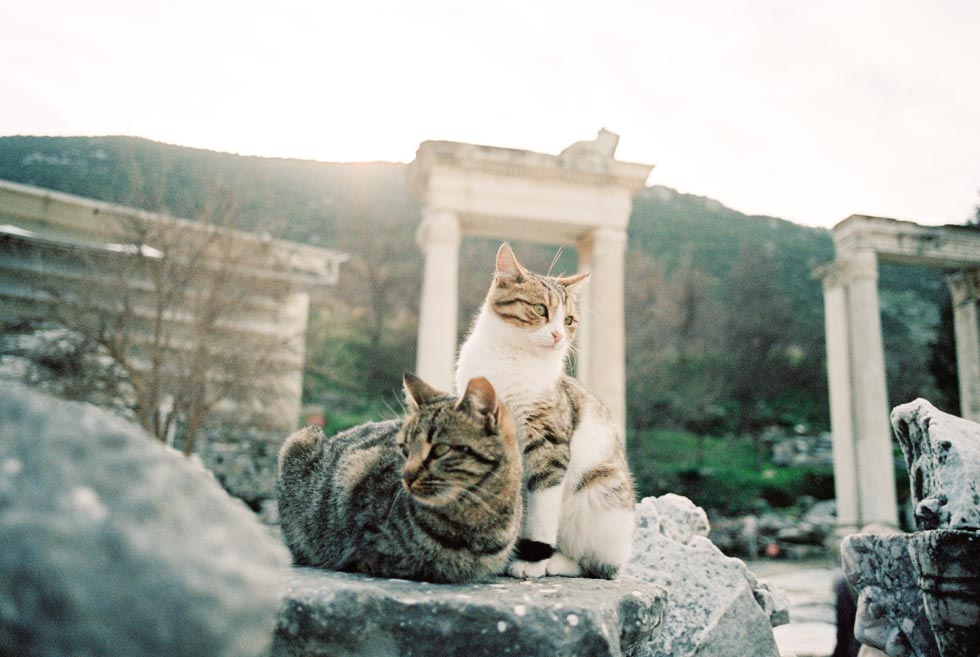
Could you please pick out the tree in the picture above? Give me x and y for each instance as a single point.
(169, 306)
(365, 340)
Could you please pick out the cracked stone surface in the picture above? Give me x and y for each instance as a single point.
(327, 613)
(717, 607)
(890, 614)
(943, 456)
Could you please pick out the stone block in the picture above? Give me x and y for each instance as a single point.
(943, 456)
(890, 613)
(716, 608)
(115, 545)
(326, 613)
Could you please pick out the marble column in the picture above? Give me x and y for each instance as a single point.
(606, 334)
(439, 237)
(965, 290)
(841, 409)
(869, 397)
(582, 351)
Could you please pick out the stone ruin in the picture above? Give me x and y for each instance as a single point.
(919, 593)
(115, 544)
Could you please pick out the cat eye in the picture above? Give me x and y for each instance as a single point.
(404, 449)
(540, 309)
(440, 450)
(569, 320)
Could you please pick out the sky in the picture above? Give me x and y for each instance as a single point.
(808, 111)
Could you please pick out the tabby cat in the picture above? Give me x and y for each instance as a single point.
(436, 497)
(578, 516)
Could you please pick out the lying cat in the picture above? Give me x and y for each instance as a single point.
(436, 497)
(579, 492)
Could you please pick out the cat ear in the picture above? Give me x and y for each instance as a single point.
(573, 283)
(418, 392)
(479, 398)
(508, 269)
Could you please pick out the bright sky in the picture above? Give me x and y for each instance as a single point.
(810, 111)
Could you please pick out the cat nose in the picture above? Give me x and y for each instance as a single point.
(556, 336)
(409, 475)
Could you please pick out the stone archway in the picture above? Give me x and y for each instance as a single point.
(581, 197)
(864, 481)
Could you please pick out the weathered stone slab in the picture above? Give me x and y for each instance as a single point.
(717, 608)
(947, 563)
(326, 613)
(943, 456)
(114, 545)
(890, 614)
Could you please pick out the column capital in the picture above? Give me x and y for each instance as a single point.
(607, 239)
(438, 227)
(964, 286)
(842, 271)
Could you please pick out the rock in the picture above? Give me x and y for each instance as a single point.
(328, 613)
(943, 456)
(947, 564)
(823, 514)
(919, 594)
(890, 614)
(244, 459)
(674, 516)
(116, 545)
(717, 608)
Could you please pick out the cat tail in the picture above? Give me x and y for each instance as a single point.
(298, 458)
(299, 453)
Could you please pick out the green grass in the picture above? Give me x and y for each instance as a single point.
(727, 476)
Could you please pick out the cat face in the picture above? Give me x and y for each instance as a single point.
(451, 447)
(542, 309)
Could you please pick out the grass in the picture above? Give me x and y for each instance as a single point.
(724, 474)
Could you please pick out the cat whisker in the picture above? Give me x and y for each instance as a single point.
(554, 261)
(472, 496)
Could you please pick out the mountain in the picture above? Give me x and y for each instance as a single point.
(722, 312)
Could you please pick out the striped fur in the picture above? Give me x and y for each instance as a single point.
(436, 497)
(578, 487)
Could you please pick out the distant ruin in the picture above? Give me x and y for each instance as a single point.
(582, 197)
(865, 486)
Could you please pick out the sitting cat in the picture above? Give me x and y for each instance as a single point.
(578, 517)
(436, 497)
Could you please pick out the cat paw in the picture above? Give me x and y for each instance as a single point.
(528, 569)
(562, 566)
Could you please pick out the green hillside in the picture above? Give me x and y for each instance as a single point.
(724, 323)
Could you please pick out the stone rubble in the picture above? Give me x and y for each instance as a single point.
(717, 607)
(919, 594)
(115, 544)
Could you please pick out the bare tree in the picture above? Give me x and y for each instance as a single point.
(172, 306)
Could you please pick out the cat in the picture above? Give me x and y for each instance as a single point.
(578, 517)
(435, 497)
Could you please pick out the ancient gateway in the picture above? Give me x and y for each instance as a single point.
(581, 197)
(865, 485)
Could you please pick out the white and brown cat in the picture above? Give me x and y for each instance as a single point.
(579, 492)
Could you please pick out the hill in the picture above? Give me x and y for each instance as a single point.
(724, 323)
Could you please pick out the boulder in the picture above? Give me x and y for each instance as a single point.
(943, 456)
(717, 608)
(115, 545)
(890, 612)
(337, 614)
(919, 594)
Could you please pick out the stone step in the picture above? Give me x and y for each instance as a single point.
(328, 613)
